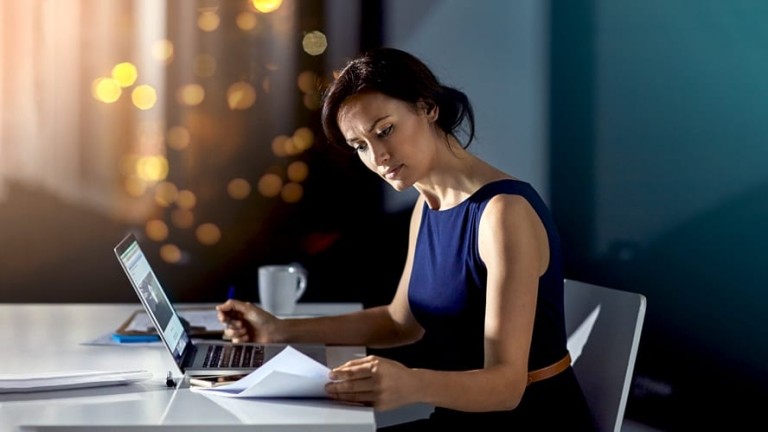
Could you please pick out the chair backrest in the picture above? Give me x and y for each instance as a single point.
(604, 327)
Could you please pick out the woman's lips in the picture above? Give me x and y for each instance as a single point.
(393, 172)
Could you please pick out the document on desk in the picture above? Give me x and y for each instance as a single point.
(17, 383)
(289, 374)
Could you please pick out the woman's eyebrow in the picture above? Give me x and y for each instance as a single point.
(375, 122)
(370, 129)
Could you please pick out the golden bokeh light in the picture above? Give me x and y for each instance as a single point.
(156, 230)
(246, 21)
(298, 171)
(290, 148)
(186, 199)
(204, 65)
(166, 194)
(269, 185)
(191, 94)
(135, 186)
(239, 188)
(266, 6)
(182, 218)
(125, 74)
(307, 82)
(177, 137)
(314, 43)
(292, 192)
(241, 95)
(162, 50)
(144, 97)
(279, 144)
(152, 168)
(208, 234)
(312, 101)
(106, 90)
(170, 253)
(303, 138)
(208, 20)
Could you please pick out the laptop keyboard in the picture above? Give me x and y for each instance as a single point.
(234, 356)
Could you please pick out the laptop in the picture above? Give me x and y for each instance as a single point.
(193, 357)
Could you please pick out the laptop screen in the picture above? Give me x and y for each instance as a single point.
(166, 320)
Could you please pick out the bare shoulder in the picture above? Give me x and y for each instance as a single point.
(509, 208)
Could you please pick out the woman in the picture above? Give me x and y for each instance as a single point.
(482, 284)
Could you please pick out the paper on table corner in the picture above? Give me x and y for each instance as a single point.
(290, 373)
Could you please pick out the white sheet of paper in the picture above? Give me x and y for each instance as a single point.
(290, 373)
(69, 380)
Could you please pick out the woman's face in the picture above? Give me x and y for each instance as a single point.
(391, 137)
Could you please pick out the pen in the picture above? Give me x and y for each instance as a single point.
(231, 292)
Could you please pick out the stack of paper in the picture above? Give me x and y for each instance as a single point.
(69, 380)
(291, 373)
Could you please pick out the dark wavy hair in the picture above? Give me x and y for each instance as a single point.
(400, 75)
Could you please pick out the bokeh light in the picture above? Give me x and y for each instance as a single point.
(241, 95)
(298, 171)
(106, 90)
(144, 97)
(238, 188)
(269, 185)
(208, 234)
(279, 145)
(166, 194)
(186, 199)
(182, 218)
(191, 95)
(177, 137)
(266, 6)
(162, 50)
(208, 20)
(135, 186)
(156, 230)
(314, 43)
(292, 192)
(171, 253)
(125, 74)
(246, 21)
(152, 168)
(303, 138)
(307, 82)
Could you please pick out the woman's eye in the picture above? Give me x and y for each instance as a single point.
(360, 147)
(385, 132)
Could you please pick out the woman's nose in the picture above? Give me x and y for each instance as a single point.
(380, 155)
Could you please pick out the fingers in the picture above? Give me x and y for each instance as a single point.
(355, 369)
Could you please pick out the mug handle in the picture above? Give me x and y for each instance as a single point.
(302, 286)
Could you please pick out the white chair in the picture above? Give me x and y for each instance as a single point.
(604, 327)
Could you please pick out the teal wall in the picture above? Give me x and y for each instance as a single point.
(659, 126)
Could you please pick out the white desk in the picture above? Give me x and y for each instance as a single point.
(49, 337)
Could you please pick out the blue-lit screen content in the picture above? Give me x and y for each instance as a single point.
(154, 298)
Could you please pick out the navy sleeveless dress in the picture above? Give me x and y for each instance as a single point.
(447, 296)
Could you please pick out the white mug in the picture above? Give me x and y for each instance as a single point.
(280, 287)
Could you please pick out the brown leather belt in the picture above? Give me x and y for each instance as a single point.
(551, 370)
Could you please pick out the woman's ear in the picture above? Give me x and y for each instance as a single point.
(429, 108)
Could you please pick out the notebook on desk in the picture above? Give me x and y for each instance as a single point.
(193, 358)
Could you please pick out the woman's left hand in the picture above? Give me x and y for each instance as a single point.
(378, 382)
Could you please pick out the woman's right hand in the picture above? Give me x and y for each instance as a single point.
(246, 322)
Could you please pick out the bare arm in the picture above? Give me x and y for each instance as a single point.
(513, 244)
(377, 327)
